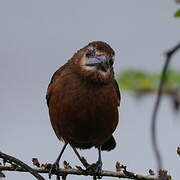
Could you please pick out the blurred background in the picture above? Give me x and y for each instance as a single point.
(37, 37)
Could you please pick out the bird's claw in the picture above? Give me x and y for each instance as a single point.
(95, 168)
(54, 169)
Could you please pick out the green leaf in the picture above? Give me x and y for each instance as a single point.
(177, 13)
(138, 80)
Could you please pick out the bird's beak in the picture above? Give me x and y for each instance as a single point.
(100, 61)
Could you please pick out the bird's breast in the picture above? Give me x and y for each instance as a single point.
(86, 113)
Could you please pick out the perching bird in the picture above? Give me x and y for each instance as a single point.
(83, 99)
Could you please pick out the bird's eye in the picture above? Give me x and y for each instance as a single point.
(111, 62)
(91, 53)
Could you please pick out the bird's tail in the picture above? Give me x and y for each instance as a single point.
(109, 144)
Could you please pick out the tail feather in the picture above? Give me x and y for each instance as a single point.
(109, 144)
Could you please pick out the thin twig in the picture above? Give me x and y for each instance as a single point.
(169, 55)
(129, 175)
(22, 165)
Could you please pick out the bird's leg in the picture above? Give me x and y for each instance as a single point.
(96, 168)
(98, 164)
(55, 165)
(82, 159)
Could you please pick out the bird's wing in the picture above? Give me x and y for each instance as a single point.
(115, 84)
(56, 75)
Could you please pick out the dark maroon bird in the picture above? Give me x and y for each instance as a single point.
(83, 99)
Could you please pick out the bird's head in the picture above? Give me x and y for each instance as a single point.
(95, 62)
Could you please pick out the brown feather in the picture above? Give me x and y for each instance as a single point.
(83, 107)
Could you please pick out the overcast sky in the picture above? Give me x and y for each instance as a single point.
(38, 36)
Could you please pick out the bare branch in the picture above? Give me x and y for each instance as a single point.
(127, 174)
(169, 55)
(17, 165)
(22, 165)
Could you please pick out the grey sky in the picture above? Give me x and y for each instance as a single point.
(36, 37)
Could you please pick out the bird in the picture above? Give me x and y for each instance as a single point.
(83, 98)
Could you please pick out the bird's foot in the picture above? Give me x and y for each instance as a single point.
(96, 169)
(85, 163)
(54, 169)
